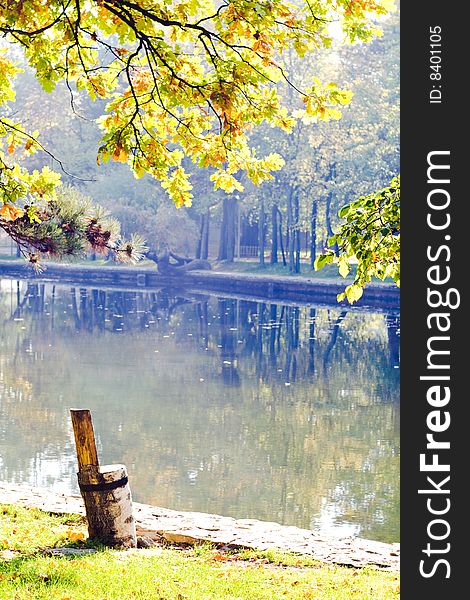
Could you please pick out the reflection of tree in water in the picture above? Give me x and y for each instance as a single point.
(311, 343)
(393, 332)
(228, 341)
(333, 339)
(284, 343)
(274, 451)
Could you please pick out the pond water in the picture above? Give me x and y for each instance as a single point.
(278, 412)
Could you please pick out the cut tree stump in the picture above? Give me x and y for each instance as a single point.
(105, 490)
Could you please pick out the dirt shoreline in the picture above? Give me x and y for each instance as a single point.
(193, 527)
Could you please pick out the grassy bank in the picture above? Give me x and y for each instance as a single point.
(252, 266)
(28, 571)
(328, 273)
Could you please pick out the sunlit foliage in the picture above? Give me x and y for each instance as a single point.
(184, 79)
(370, 236)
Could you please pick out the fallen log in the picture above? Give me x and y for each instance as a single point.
(180, 264)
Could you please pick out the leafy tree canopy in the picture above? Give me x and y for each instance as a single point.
(188, 78)
(370, 236)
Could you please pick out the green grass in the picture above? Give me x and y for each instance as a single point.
(27, 572)
(329, 272)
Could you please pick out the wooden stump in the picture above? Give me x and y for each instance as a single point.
(105, 490)
(108, 505)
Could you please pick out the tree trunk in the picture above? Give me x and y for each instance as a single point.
(296, 234)
(329, 228)
(227, 231)
(199, 239)
(205, 237)
(202, 248)
(290, 233)
(231, 225)
(313, 234)
(274, 243)
(287, 231)
(329, 199)
(261, 221)
(222, 255)
(281, 241)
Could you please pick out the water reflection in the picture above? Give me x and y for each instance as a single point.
(279, 412)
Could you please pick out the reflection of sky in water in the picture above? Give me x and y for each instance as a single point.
(326, 522)
(252, 410)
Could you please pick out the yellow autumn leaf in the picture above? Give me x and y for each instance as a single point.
(10, 213)
(120, 155)
(273, 162)
(226, 182)
(76, 536)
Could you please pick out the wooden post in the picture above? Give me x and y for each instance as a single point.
(84, 440)
(105, 490)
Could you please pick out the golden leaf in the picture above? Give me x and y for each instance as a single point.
(10, 213)
(120, 155)
(76, 536)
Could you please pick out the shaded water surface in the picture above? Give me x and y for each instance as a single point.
(252, 410)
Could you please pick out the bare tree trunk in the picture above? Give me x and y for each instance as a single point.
(261, 222)
(329, 199)
(222, 254)
(274, 231)
(313, 234)
(329, 228)
(297, 234)
(231, 224)
(199, 240)
(227, 231)
(205, 240)
(281, 241)
(290, 233)
(202, 250)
